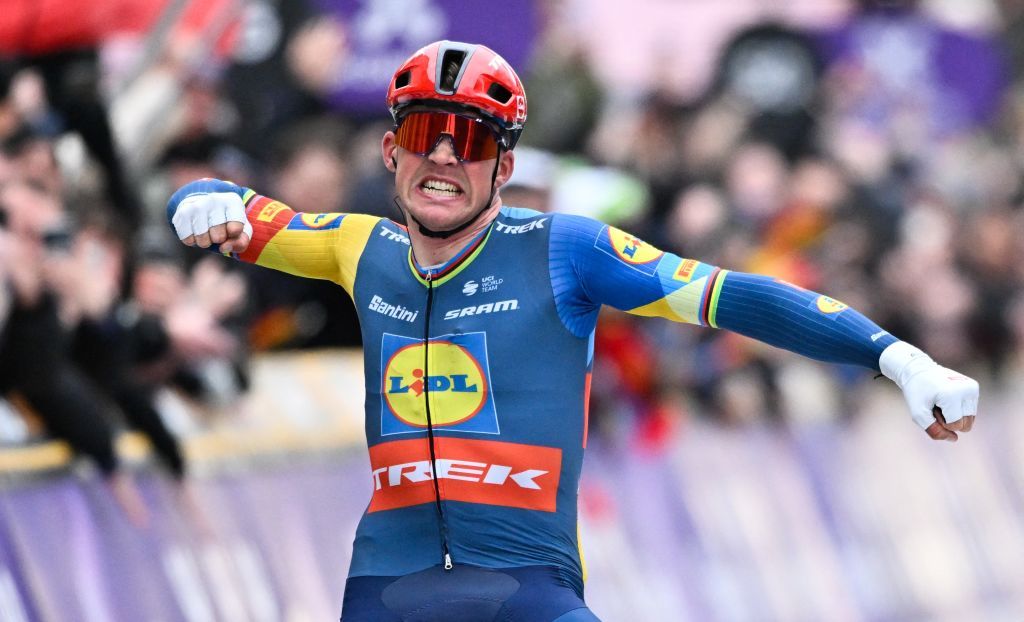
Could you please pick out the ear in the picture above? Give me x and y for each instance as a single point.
(506, 165)
(387, 151)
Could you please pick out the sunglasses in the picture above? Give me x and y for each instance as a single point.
(472, 139)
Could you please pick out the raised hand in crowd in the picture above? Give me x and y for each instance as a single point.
(191, 307)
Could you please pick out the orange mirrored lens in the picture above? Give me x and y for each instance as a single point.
(472, 139)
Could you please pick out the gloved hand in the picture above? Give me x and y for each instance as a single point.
(210, 211)
(941, 401)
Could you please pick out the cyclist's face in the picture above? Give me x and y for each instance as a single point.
(439, 190)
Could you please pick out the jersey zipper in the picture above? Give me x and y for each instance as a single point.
(442, 521)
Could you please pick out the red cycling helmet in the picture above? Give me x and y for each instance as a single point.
(461, 77)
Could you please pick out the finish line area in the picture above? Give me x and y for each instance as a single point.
(815, 521)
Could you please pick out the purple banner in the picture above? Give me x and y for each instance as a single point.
(58, 545)
(263, 545)
(905, 62)
(383, 33)
(301, 523)
(15, 594)
(854, 523)
(129, 556)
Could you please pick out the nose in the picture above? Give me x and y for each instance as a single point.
(444, 151)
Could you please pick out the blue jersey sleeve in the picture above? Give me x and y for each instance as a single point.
(592, 264)
(797, 319)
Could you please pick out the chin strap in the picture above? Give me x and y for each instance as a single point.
(442, 235)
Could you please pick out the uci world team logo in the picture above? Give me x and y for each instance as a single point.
(456, 378)
(636, 253)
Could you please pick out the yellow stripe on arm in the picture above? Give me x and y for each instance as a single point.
(681, 305)
(579, 547)
(319, 246)
(353, 235)
(330, 254)
(685, 286)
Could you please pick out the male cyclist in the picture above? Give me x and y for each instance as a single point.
(478, 324)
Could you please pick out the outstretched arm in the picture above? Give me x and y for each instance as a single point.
(211, 213)
(594, 264)
(941, 401)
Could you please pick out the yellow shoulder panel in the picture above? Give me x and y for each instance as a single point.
(353, 235)
(319, 246)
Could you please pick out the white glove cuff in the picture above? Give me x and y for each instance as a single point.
(901, 361)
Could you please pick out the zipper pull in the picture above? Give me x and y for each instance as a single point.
(447, 561)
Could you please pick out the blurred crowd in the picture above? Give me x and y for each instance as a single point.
(871, 150)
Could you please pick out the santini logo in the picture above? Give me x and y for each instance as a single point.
(490, 307)
(396, 311)
(470, 288)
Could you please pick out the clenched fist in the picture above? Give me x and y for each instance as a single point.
(210, 211)
(941, 401)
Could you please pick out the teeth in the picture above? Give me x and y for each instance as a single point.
(440, 188)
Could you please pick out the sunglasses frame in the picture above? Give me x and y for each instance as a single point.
(499, 139)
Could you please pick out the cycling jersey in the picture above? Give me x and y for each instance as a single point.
(478, 370)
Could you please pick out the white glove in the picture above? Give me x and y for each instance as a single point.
(940, 399)
(196, 213)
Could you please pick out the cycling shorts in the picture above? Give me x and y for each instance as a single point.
(466, 594)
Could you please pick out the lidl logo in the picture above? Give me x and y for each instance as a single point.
(630, 249)
(829, 306)
(308, 222)
(456, 379)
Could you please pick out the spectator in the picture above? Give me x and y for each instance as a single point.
(310, 171)
(34, 359)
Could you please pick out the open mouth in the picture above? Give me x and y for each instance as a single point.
(438, 188)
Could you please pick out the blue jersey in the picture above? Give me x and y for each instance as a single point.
(478, 371)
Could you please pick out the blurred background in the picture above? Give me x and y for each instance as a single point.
(181, 436)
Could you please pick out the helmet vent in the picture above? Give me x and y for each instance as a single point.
(403, 79)
(451, 69)
(499, 93)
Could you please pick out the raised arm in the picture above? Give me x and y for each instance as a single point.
(595, 264)
(211, 213)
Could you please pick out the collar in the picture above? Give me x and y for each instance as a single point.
(441, 274)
